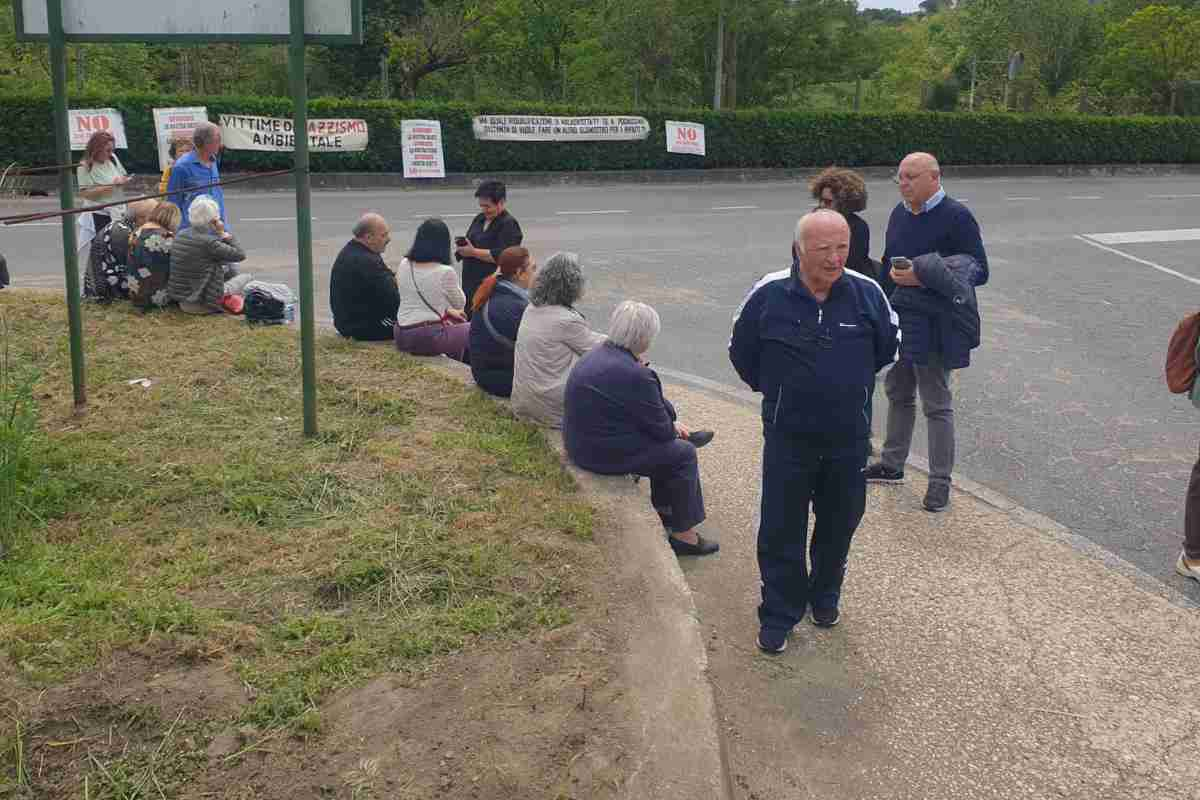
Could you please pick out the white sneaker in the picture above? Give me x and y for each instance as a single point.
(1187, 570)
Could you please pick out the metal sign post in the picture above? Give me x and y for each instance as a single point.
(308, 364)
(294, 22)
(66, 193)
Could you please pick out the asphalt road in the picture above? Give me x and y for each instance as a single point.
(1064, 408)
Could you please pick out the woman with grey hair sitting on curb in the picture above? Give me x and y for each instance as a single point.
(198, 260)
(617, 422)
(551, 338)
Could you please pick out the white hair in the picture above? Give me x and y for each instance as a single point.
(204, 133)
(203, 212)
(634, 326)
(811, 217)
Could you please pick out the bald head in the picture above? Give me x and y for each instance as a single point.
(821, 221)
(822, 242)
(373, 231)
(919, 177)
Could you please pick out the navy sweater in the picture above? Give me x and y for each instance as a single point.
(948, 229)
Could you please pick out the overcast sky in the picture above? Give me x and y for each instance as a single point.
(901, 5)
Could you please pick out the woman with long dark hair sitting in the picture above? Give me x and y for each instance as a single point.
(431, 320)
(496, 310)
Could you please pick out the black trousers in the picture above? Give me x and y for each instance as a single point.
(797, 573)
(674, 477)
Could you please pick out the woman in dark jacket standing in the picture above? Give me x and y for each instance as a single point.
(845, 191)
(616, 422)
(498, 306)
(491, 232)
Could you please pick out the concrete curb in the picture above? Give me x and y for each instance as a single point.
(665, 661)
(366, 181)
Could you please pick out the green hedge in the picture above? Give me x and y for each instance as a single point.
(755, 138)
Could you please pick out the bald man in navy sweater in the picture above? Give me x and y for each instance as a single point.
(925, 221)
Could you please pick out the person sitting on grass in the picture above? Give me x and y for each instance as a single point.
(105, 278)
(150, 257)
(198, 259)
(616, 421)
(498, 307)
(551, 338)
(431, 319)
(362, 288)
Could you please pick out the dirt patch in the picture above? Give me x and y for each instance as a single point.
(543, 717)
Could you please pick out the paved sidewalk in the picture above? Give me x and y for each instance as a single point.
(978, 657)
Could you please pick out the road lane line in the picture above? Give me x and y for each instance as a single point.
(269, 219)
(608, 211)
(425, 216)
(1150, 264)
(1085, 197)
(1146, 237)
(1020, 199)
(1171, 196)
(733, 208)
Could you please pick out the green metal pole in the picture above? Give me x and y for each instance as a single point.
(66, 194)
(303, 217)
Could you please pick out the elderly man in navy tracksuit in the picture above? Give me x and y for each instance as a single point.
(811, 340)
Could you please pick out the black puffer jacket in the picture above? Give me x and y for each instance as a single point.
(942, 317)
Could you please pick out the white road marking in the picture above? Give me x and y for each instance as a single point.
(610, 211)
(269, 219)
(733, 208)
(1085, 197)
(423, 216)
(1021, 199)
(1171, 196)
(1150, 264)
(1146, 237)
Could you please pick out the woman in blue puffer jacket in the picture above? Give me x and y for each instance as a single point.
(497, 308)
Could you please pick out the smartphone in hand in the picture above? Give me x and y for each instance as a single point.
(900, 263)
(460, 241)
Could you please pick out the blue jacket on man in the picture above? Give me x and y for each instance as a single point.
(814, 363)
(614, 411)
(942, 315)
(492, 348)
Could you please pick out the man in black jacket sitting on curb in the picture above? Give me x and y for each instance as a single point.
(363, 294)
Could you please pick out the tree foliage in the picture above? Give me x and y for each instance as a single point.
(1106, 56)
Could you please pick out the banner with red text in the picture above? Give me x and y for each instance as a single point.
(685, 137)
(421, 146)
(175, 123)
(83, 122)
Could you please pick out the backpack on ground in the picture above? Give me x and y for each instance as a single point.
(1181, 355)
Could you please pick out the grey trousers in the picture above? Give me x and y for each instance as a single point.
(902, 383)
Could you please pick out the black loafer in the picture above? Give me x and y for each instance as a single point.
(700, 438)
(703, 547)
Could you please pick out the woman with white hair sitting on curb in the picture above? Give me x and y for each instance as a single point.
(617, 422)
(199, 257)
(551, 338)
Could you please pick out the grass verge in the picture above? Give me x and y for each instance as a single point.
(190, 523)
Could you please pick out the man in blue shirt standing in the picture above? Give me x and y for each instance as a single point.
(926, 221)
(198, 168)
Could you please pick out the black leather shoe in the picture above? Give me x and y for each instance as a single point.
(703, 547)
(700, 438)
(826, 617)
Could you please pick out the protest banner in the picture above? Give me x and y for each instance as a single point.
(172, 123)
(685, 137)
(83, 122)
(421, 147)
(560, 129)
(241, 132)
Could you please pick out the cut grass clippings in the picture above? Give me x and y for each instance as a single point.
(193, 521)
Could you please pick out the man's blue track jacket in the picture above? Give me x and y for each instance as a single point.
(814, 363)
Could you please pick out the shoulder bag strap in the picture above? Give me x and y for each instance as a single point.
(413, 271)
(487, 323)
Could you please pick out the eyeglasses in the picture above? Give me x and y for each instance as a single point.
(907, 176)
